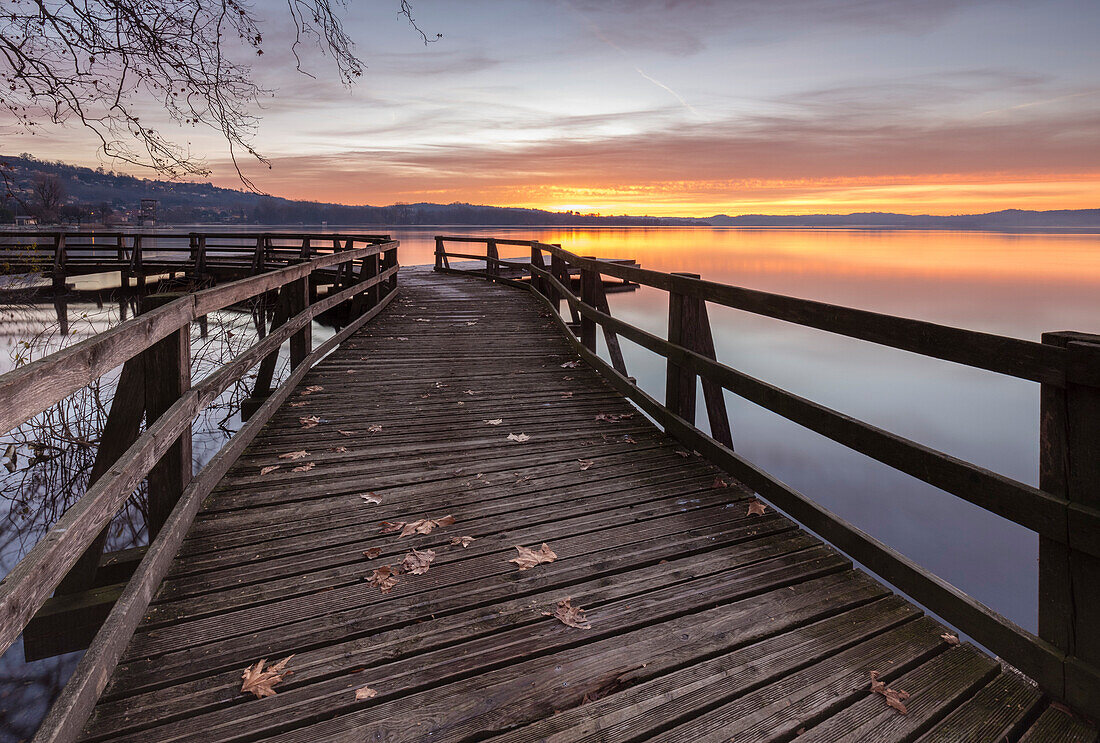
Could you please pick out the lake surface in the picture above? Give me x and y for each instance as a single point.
(1015, 284)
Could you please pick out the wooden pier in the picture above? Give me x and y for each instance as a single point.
(464, 406)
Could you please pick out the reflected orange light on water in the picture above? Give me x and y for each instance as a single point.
(971, 256)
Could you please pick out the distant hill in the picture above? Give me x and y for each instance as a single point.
(1007, 218)
(99, 195)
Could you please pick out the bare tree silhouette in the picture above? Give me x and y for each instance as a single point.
(96, 62)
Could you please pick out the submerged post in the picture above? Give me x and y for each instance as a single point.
(1069, 466)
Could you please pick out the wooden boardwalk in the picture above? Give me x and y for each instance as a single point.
(707, 623)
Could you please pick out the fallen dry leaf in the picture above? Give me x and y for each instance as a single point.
(894, 697)
(372, 553)
(389, 527)
(298, 404)
(304, 467)
(259, 681)
(425, 526)
(568, 614)
(756, 508)
(629, 440)
(570, 365)
(294, 455)
(585, 463)
(309, 421)
(345, 433)
(613, 417)
(950, 638)
(272, 468)
(401, 338)
(464, 541)
(719, 483)
(384, 578)
(495, 421)
(567, 394)
(473, 392)
(529, 558)
(417, 561)
(365, 693)
(311, 389)
(340, 449)
(376, 428)
(518, 437)
(371, 498)
(682, 453)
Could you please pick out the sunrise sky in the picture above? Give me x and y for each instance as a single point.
(688, 107)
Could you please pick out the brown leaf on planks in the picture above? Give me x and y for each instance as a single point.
(950, 638)
(756, 508)
(372, 552)
(340, 449)
(614, 417)
(719, 483)
(585, 463)
(270, 469)
(894, 697)
(309, 421)
(298, 404)
(376, 428)
(304, 467)
(389, 527)
(418, 561)
(345, 433)
(294, 455)
(567, 394)
(681, 453)
(464, 541)
(570, 364)
(529, 558)
(372, 499)
(365, 693)
(520, 437)
(384, 578)
(258, 681)
(311, 389)
(495, 421)
(425, 526)
(567, 614)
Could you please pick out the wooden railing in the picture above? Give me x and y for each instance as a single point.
(1064, 659)
(140, 254)
(154, 351)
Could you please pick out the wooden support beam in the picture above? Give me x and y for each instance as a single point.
(609, 336)
(1069, 466)
(492, 267)
(537, 262)
(689, 326)
(167, 378)
(121, 430)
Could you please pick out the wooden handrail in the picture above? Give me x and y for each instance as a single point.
(1065, 513)
(35, 576)
(32, 388)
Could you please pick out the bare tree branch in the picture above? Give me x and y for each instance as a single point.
(95, 62)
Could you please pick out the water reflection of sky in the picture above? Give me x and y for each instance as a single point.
(1013, 284)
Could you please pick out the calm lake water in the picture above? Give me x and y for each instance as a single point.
(1015, 284)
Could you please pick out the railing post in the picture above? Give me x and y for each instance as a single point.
(588, 296)
(679, 382)
(389, 260)
(301, 343)
(491, 258)
(59, 262)
(167, 377)
(440, 255)
(1069, 466)
(536, 262)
